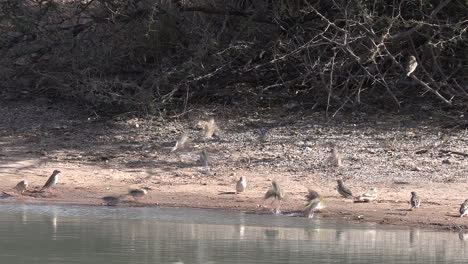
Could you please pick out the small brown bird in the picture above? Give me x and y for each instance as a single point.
(415, 201)
(51, 181)
(113, 200)
(314, 202)
(138, 193)
(241, 185)
(277, 193)
(210, 129)
(464, 208)
(181, 143)
(335, 158)
(412, 64)
(204, 159)
(368, 196)
(343, 190)
(21, 186)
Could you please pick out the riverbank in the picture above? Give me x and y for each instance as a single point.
(100, 156)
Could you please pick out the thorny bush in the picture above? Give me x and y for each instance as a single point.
(153, 55)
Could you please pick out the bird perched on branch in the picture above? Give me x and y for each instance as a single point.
(314, 202)
(241, 185)
(51, 181)
(277, 193)
(412, 64)
(415, 201)
(138, 193)
(113, 200)
(21, 186)
(343, 190)
(464, 208)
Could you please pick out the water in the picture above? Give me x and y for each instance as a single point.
(78, 234)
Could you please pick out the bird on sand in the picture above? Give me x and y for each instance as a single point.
(464, 208)
(415, 201)
(241, 185)
(21, 186)
(181, 143)
(368, 196)
(412, 64)
(113, 200)
(314, 202)
(210, 128)
(204, 159)
(343, 190)
(277, 193)
(51, 181)
(138, 193)
(335, 158)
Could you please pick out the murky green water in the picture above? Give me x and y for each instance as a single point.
(76, 234)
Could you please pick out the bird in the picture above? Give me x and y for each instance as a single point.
(241, 185)
(335, 158)
(277, 193)
(412, 64)
(464, 208)
(181, 143)
(138, 193)
(415, 201)
(368, 196)
(343, 190)
(314, 202)
(113, 200)
(210, 129)
(203, 159)
(51, 181)
(21, 186)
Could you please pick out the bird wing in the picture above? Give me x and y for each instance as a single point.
(270, 193)
(347, 191)
(49, 182)
(312, 195)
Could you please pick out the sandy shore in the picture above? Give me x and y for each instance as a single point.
(392, 207)
(102, 156)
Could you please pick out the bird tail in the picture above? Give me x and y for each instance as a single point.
(274, 191)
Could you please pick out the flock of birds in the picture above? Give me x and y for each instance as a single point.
(313, 199)
(22, 186)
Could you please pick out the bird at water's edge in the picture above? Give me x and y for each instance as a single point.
(51, 181)
(314, 202)
(464, 208)
(113, 200)
(415, 201)
(138, 193)
(277, 193)
(241, 185)
(367, 197)
(343, 190)
(21, 186)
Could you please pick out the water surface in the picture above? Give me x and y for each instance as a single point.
(79, 234)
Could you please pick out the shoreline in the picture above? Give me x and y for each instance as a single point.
(397, 154)
(340, 211)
